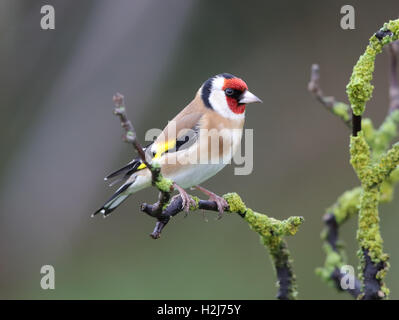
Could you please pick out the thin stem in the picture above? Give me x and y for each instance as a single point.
(337, 108)
(130, 135)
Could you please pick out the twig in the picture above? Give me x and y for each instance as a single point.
(337, 108)
(130, 136)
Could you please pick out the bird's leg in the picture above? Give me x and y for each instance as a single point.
(186, 198)
(220, 201)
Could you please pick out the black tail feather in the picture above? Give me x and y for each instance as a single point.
(130, 167)
(105, 209)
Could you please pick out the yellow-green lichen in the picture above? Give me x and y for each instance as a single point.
(368, 233)
(164, 184)
(333, 260)
(196, 200)
(386, 165)
(384, 135)
(271, 233)
(270, 227)
(376, 183)
(235, 203)
(386, 191)
(393, 26)
(359, 88)
(341, 110)
(368, 130)
(346, 205)
(360, 155)
(290, 225)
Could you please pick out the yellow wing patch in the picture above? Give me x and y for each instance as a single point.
(161, 149)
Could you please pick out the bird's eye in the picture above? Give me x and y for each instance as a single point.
(229, 92)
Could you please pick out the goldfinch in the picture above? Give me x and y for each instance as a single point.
(184, 149)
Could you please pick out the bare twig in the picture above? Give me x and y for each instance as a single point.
(131, 137)
(130, 134)
(314, 87)
(338, 108)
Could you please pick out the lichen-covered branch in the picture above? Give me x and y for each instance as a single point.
(346, 206)
(376, 167)
(360, 89)
(372, 175)
(271, 231)
(372, 171)
(335, 257)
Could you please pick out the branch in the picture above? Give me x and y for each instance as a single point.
(372, 285)
(339, 109)
(283, 266)
(376, 168)
(332, 240)
(345, 207)
(372, 171)
(359, 88)
(271, 231)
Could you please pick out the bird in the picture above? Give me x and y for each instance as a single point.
(184, 150)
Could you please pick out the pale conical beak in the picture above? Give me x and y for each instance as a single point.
(248, 97)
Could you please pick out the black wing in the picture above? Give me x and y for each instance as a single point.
(129, 169)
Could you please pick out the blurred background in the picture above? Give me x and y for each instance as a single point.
(59, 139)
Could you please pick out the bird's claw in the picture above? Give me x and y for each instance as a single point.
(187, 200)
(221, 204)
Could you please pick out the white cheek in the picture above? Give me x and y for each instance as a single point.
(218, 101)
